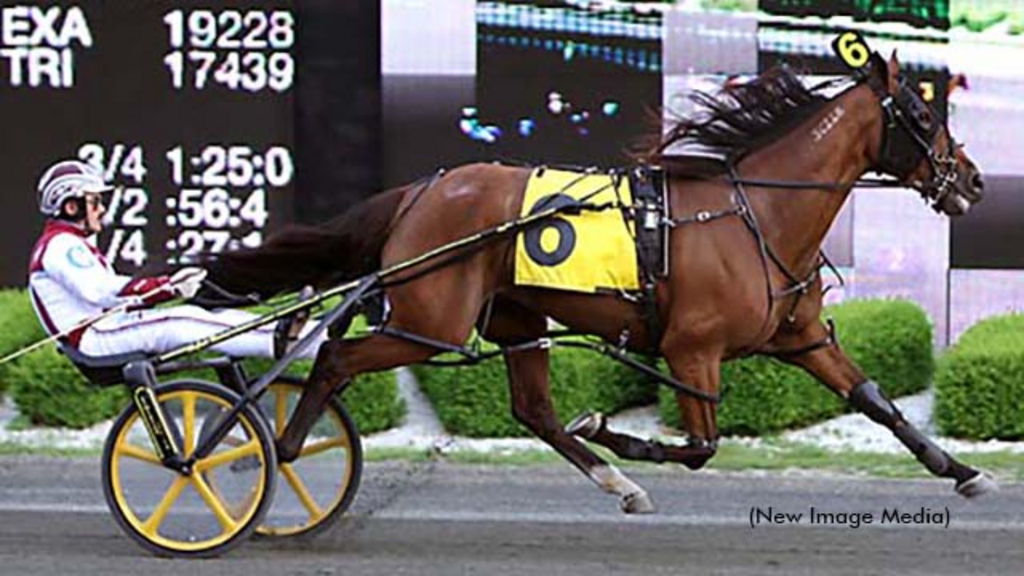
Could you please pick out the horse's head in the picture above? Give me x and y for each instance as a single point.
(917, 148)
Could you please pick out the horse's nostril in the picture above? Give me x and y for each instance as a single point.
(977, 182)
(976, 185)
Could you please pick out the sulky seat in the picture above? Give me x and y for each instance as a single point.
(100, 370)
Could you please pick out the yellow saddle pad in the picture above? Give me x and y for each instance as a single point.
(582, 253)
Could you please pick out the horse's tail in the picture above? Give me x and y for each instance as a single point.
(342, 249)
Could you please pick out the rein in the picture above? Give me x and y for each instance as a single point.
(225, 297)
(458, 248)
(800, 185)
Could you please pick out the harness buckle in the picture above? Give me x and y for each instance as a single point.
(650, 217)
(623, 339)
(890, 111)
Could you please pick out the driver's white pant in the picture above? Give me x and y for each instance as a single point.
(160, 330)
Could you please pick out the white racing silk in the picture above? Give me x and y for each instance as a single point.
(70, 281)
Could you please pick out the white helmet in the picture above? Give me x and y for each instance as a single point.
(68, 179)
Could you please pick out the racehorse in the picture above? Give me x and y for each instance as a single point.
(744, 277)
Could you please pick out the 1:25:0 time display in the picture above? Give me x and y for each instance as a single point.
(236, 166)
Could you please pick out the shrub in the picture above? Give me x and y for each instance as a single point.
(890, 340)
(475, 400)
(50, 391)
(979, 384)
(20, 328)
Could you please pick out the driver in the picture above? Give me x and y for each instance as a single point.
(70, 282)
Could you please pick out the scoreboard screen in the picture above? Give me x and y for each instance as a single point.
(186, 106)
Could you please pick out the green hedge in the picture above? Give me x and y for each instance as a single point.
(891, 341)
(50, 391)
(19, 328)
(474, 400)
(979, 384)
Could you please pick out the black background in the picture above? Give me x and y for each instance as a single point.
(123, 93)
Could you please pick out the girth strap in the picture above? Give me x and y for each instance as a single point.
(649, 216)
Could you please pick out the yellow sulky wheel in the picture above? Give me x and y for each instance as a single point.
(315, 490)
(217, 505)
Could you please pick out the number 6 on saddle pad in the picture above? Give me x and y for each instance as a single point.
(590, 251)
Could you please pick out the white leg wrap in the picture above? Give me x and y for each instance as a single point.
(585, 425)
(633, 498)
(980, 484)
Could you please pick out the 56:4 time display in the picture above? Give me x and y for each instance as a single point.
(216, 208)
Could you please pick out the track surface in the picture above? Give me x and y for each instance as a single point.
(438, 518)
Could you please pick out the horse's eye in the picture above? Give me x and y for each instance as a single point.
(924, 118)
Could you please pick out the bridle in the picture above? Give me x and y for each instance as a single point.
(910, 129)
(909, 133)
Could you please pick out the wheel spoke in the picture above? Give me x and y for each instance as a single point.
(315, 512)
(323, 446)
(155, 519)
(188, 416)
(226, 521)
(280, 410)
(132, 451)
(219, 459)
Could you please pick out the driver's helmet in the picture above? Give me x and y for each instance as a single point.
(68, 179)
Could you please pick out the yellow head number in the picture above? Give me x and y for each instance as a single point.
(927, 90)
(851, 49)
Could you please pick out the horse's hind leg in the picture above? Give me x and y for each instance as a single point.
(510, 324)
(830, 365)
(593, 426)
(337, 361)
(440, 307)
(700, 371)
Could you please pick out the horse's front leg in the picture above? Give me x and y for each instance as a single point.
(831, 366)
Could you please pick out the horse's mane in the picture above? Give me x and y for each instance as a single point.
(738, 119)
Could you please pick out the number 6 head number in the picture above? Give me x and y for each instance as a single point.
(851, 49)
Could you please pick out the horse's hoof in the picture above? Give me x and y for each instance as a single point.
(637, 503)
(979, 484)
(586, 424)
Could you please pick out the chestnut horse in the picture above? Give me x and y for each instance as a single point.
(744, 278)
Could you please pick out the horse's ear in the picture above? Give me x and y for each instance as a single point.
(957, 81)
(894, 66)
(893, 73)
